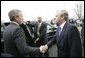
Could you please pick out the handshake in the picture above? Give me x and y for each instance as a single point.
(43, 48)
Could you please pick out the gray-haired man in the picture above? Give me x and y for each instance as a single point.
(14, 37)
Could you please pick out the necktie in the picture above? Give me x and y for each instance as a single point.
(38, 28)
(58, 30)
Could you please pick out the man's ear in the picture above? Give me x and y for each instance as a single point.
(16, 17)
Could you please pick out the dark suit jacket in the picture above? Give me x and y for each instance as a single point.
(69, 44)
(15, 42)
(29, 38)
(42, 38)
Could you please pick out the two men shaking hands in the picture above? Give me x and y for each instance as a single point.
(43, 48)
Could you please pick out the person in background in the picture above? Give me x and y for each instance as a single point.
(40, 34)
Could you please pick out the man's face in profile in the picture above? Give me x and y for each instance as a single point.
(58, 17)
(39, 19)
(19, 18)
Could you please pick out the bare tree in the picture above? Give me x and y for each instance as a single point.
(79, 9)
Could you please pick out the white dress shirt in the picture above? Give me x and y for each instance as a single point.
(62, 25)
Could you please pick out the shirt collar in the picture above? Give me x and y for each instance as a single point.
(15, 23)
(39, 23)
(62, 25)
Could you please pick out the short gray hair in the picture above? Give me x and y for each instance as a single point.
(13, 13)
(65, 14)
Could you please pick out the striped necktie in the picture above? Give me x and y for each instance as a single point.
(59, 30)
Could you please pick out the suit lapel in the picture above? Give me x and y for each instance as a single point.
(62, 32)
